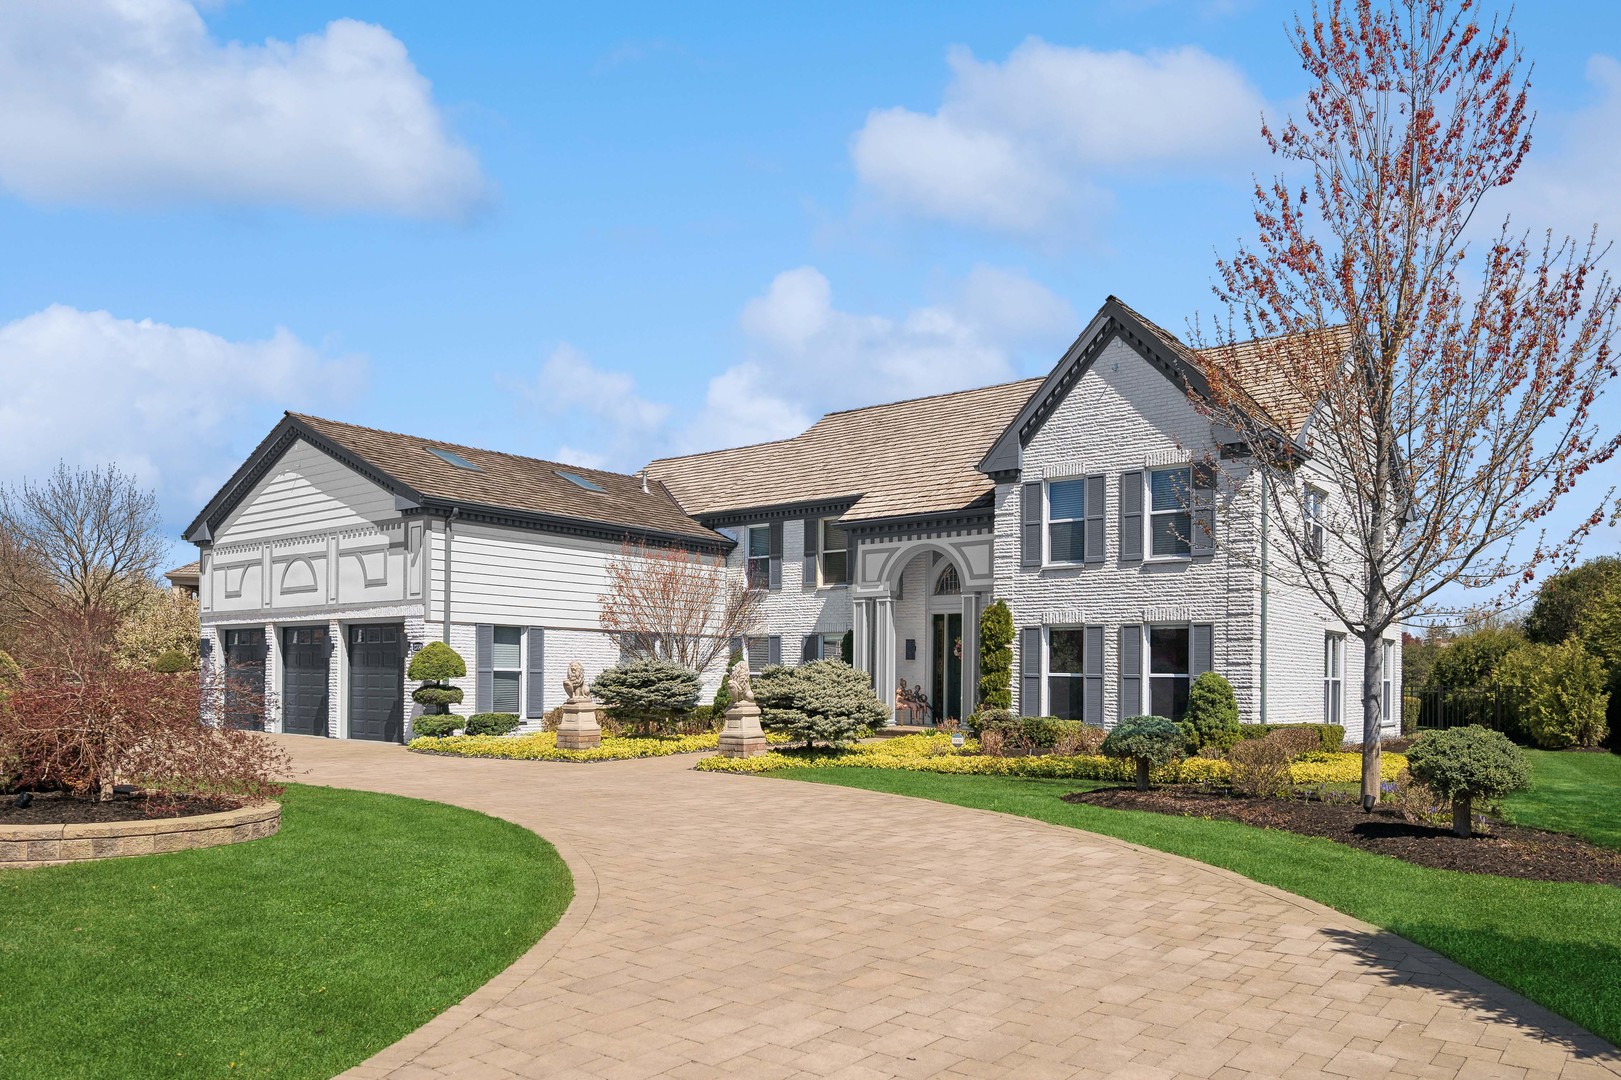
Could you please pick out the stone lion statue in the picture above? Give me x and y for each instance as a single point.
(574, 681)
(738, 685)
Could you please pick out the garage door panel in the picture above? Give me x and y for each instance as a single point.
(245, 678)
(377, 682)
(307, 666)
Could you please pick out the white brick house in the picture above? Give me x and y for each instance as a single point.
(1086, 499)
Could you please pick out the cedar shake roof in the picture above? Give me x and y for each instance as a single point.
(508, 482)
(902, 459)
(1264, 383)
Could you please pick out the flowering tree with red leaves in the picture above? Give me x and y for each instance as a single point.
(1451, 386)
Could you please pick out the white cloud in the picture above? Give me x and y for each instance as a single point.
(133, 102)
(604, 422)
(806, 356)
(169, 404)
(1026, 145)
(1570, 179)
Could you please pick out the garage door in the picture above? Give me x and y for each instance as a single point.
(306, 653)
(377, 682)
(245, 678)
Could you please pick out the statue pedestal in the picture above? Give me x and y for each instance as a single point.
(742, 737)
(579, 730)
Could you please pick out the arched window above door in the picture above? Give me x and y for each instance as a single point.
(948, 583)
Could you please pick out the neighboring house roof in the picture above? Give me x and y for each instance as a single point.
(1183, 365)
(903, 459)
(505, 487)
(186, 577)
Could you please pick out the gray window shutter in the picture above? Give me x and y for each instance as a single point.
(1203, 539)
(1030, 524)
(1095, 501)
(813, 536)
(1030, 671)
(484, 667)
(775, 549)
(1092, 699)
(1131, 516)
(811, 649)
(535, 691)
(1131, 671)
(773, 649)
(1201, 649)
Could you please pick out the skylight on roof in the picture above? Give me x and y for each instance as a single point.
(451, 457)
(578, 480)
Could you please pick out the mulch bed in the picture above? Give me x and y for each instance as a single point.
(1508, 850)
(53, 808)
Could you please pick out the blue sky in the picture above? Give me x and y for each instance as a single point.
(606, 232)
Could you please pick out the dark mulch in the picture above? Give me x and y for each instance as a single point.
(54, 808)
(1509, 850)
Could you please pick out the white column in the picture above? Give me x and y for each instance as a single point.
(970, 652)
(861, 643)
(884, 652)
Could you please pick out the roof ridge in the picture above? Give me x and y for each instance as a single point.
(464, 446)
(933, 397)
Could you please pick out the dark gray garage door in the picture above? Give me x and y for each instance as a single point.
(306, 660)
(245, 678)
(377, 682)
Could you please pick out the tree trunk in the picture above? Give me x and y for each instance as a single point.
(1373, 663)
(1142, 774)
(1462, 817)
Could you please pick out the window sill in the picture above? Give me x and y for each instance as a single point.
(834, 587)
(1166, 560)
(1065, 566)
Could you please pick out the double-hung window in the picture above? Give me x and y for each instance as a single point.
(1170, 515)
(1066, 674)
(1333, 678)
(507, 660)
(1169, 670)
(1314, 531)
(1066, 520)
(1391, 713)
(759, 557)
(757, 654)
(835, 554)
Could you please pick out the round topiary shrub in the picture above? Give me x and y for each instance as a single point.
(172, 662)
(435, 726)
(1468, 763)
(434, 665)
(492, 723)
(648, 694)
(1212, 715)
(1146, 740)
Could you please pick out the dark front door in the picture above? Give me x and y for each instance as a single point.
(377, 682)
(306, 654)
(947, 642)
(245, 678)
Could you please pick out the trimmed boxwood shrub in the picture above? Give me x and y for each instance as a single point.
(1146, 740)
(1468, 763)
(172, 662)
(434, 665)
(491, 723)
(436, 725)
(1033, 734)
(1330, 736)
(1212, 716)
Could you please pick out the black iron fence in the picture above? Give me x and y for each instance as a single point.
(1494, 707)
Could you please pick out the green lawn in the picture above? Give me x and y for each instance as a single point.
(1573, 793)
(1556, 944)
(294, 956)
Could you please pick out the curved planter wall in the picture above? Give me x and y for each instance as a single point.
(46, 845)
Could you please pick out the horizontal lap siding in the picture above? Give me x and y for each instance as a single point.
(306, 491)
(526, 578)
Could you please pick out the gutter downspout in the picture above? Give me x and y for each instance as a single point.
(1266, 499)
(449, 521)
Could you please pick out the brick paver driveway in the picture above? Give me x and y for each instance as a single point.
(739, 926)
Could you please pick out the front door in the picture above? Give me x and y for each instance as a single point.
(946, 644)
(245, 678)
(377, 682)
(306, 653)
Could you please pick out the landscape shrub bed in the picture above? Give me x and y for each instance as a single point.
(935, 754)
(542, 746)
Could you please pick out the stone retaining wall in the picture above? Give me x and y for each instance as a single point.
(23, 846)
